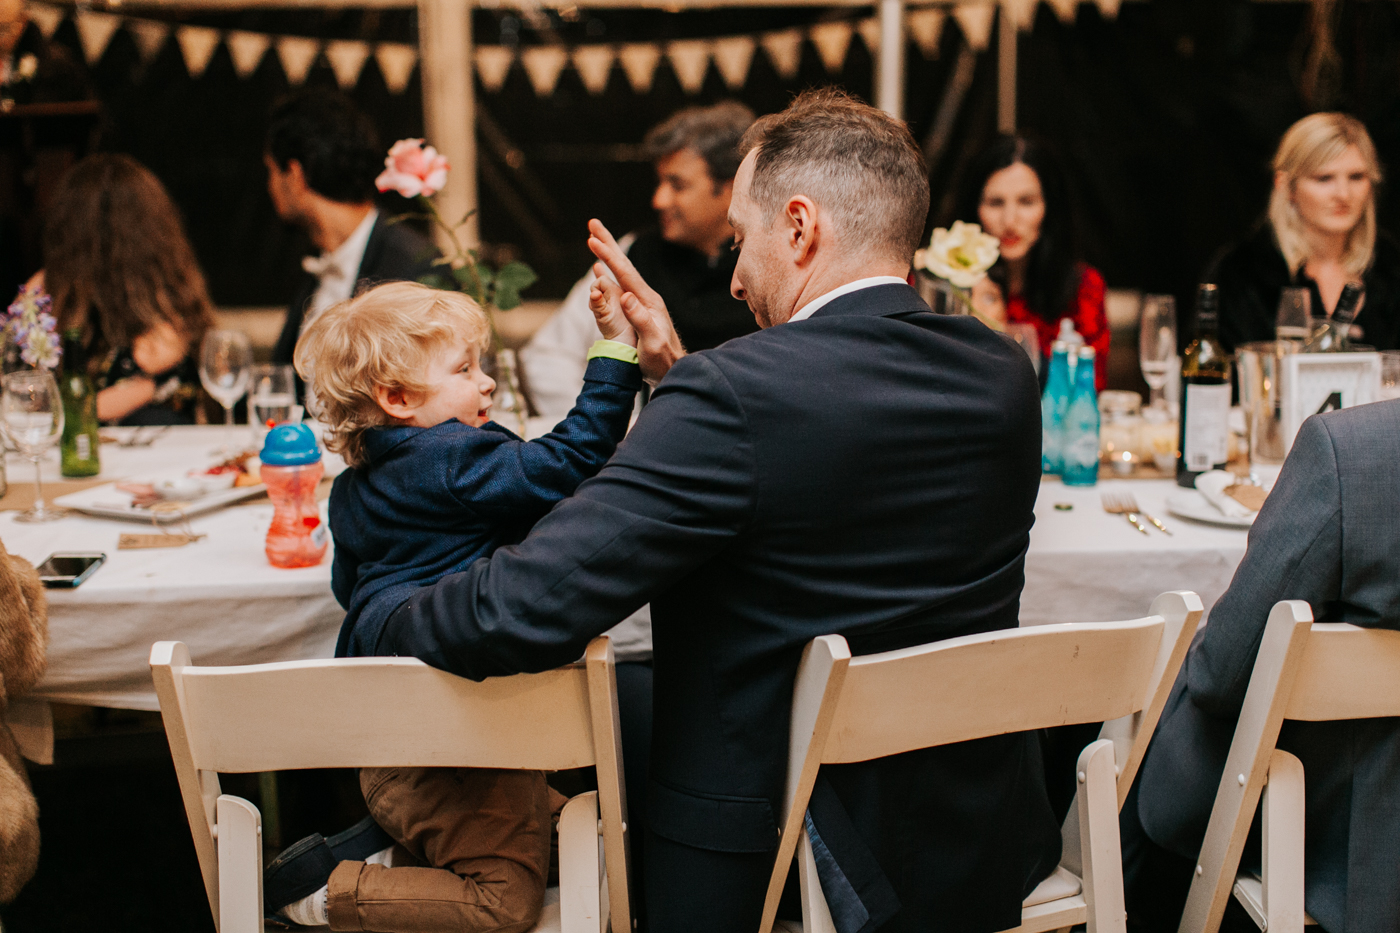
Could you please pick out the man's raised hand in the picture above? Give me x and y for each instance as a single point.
(657, 343)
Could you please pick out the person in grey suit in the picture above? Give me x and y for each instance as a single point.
(1327, 534)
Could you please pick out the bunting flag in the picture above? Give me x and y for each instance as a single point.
(396, 63)
(247, 50)
(784, 50)
(197, 44)
(150, 35)
(975, 21)
(733, 56)
(47, 18)
(690, 59)
(347, 59)
(492, 65)
(297, 56)
(832, 40)
(639, 60)
(926, 26)
(1023, 12)
(95, 32)
(543, 63)
(594, 65)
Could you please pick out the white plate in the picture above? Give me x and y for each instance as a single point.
(107, 501)
(1189, 503)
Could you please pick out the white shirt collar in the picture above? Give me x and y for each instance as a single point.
(821, 301)
(343, 262)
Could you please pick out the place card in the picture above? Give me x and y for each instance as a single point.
(130, 542)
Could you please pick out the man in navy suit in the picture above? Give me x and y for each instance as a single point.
(859, 466)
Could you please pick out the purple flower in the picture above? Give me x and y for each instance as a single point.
(33, 329)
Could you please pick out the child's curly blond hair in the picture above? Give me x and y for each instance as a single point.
(385, 336)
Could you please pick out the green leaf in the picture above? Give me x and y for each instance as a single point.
(438, 280)
(513, 278)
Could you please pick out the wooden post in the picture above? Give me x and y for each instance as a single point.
(449, 103)
(1006, 69)
(889, 64)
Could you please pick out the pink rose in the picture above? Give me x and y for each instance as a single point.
(412, 169)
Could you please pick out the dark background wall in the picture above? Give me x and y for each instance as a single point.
(1166, 116)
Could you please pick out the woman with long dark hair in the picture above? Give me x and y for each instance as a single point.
(1015, 190)
(119, 268)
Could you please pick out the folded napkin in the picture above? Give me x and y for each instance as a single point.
(1212, 484)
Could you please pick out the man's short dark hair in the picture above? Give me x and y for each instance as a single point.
(333, 140)
(859, 163)
(713, 132)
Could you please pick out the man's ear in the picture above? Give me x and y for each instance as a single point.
(296, 177)
(395, 402)
(800, 215)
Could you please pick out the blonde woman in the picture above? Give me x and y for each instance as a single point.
(1320, 233)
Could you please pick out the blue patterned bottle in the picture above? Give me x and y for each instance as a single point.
(1053, 405)
(1081, 430)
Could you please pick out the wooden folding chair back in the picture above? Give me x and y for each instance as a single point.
(1314, 672)
(392, 712)
(856, 709)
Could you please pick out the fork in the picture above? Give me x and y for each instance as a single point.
(1116, 506)
(1130, 501)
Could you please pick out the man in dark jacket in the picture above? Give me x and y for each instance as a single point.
(322, 157)
(859, 466)
(1326, 534)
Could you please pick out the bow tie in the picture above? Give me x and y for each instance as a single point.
(322, 266)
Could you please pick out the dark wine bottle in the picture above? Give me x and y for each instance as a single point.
(1204, 438)
(1335, 335)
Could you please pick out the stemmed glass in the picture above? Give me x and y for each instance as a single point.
(1157, 344)
(33, 420)
(225, 363)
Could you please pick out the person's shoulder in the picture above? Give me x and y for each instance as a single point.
(1090, 280)
(396, 251)
(1255, 256)
(1373, 426)
(1387, 254)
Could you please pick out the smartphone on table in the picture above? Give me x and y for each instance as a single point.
(67, 569)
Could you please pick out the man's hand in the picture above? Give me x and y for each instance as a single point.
(657, 342)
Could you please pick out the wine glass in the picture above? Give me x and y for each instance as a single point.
(1294, 314)
(225, 362)
(1157, 344)
(33, 421)
(271, 395)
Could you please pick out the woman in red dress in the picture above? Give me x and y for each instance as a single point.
(1017, 193)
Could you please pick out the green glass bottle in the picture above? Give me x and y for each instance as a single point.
(79, 450)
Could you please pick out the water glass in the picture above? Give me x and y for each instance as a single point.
(225, 364)
(1390, 374)
(1294, 314)
(271, 397)
(33, 421)
(1157, 344)
(1026, 339)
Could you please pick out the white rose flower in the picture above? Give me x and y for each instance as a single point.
(961, 255)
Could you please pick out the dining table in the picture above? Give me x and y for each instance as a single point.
(221, 597)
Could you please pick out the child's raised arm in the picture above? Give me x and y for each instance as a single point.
(605, 301)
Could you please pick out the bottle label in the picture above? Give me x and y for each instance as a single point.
(319, 534)
(84, 447)
(1207, 434)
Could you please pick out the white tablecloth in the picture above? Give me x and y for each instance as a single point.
(1086, 565)
(222, 598)
(219, 595)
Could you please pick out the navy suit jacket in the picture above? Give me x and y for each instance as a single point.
(1327, 534)
(869, 471)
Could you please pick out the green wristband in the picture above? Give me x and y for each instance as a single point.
(613, 350)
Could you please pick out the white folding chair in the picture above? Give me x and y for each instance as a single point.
(1312, 672)
(855, 709)
(388, 712)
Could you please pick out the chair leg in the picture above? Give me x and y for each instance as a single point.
(1100, 849)
(240, 865)
(1283, 811)
(581, 905)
